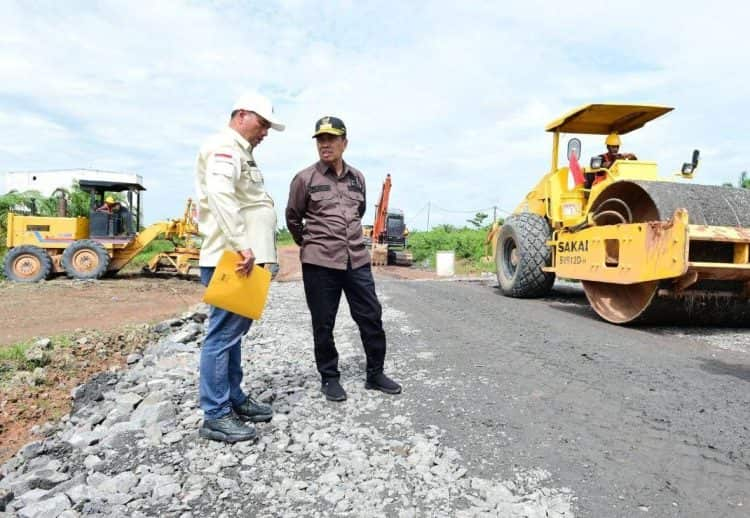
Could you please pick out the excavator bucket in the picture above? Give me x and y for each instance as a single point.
(379, 253)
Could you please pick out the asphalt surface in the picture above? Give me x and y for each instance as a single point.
(635, 421)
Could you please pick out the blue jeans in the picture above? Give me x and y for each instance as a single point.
(221, 359)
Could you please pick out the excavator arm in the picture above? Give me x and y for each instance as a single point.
(381, 212)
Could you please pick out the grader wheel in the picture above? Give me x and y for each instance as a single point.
(85, 259)
(521, 254)
(27, 264)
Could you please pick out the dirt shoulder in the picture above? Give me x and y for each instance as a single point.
(61, 305)
(30, 398)
(93, 327)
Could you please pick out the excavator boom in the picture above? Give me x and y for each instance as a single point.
(381, 212)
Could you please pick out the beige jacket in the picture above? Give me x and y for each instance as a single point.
(235, 211)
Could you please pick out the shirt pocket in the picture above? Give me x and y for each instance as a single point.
(220, 175)
(354, 200)
(256, 176)
(322, 200)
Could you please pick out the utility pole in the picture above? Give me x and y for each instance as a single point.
(494, 213)
(428, 216)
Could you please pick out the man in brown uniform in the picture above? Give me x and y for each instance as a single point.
(324, 216)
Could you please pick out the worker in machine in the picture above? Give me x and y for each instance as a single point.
(324, 215)
(613, 153)
(109, 202)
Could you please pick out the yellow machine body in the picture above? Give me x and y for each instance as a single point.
(633, 238)
(40, 244)
(45, 231)
(623, 253)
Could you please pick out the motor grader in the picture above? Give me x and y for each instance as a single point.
(101, 243)
(646, 248)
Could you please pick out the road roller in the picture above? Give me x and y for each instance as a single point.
(646, 248)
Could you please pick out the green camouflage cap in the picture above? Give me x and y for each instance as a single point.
(331, 126)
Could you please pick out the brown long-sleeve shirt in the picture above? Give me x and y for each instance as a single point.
(324, 216)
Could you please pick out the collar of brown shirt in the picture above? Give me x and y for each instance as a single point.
(329, 170)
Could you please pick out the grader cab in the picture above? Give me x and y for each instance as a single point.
(88, 247)
(646, 248)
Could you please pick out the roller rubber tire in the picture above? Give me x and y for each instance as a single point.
(521, 254)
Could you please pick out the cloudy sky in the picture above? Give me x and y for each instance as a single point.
(451, 98)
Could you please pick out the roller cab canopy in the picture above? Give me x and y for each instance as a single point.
(603, 119)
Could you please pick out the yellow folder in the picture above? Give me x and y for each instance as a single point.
(241, 294)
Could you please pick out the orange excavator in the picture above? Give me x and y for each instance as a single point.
(388, 233)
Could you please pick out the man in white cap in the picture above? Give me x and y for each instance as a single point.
(235, 213)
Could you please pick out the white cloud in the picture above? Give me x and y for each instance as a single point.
(451, 99)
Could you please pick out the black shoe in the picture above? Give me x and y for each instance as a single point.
(333, 390)
(253, 411)
(383, 383)
(227, 429)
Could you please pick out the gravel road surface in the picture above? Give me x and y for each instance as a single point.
(635, 421)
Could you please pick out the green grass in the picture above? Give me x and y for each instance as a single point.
(14, 353)
(155, 247)
(13, 359)
(467, 244)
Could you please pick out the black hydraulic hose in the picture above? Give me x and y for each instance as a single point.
(609, 213)
(617, 201)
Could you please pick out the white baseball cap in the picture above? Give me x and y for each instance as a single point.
(260, 104)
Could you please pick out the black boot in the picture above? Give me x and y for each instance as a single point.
(333, 390)
(382, 383)
(227, 429)
(253, 411)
